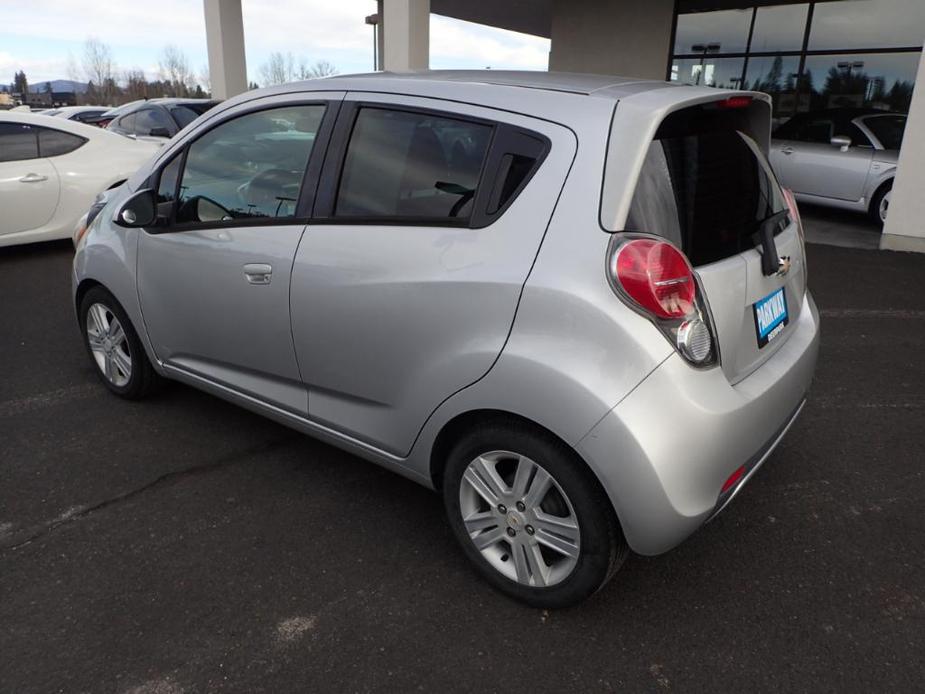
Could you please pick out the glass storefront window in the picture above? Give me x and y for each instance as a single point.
(709, 72)
(871, 80)
(776, 76)
(779, 28)
(727, 29)
(867, 24)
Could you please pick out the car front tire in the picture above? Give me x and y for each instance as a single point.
(114, 346)
(879, 205)
(530, 515)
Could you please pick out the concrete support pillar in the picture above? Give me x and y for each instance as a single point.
(225, 41)
(404, 28)
(612, 37)
(905, 220)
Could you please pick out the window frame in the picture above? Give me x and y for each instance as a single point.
(310, 177)
(500, 142)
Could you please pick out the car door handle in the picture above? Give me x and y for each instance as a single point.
(33, 178)
(787, 150)
(258, 273)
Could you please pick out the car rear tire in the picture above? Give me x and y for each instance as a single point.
(114, 347)
(530, 515)
(880, 204)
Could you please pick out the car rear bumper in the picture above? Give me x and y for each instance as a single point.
(664, 453)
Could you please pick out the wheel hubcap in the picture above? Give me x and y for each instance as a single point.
(108, 345)
(885, 206)
(519, 518)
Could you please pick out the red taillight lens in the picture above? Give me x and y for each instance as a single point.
(792, 208)
(734, 102)
(657, 276)
(733, 479)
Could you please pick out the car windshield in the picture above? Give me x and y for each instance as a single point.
(888, 129)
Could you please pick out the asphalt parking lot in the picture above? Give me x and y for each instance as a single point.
(185, 545)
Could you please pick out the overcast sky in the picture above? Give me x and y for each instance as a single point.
(39, 35)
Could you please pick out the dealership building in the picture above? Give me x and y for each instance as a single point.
(807, 55)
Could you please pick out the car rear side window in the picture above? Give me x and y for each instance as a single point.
(705, 192)
(152, 121)
(411, 165)
(888, 129)
(54, 143)
(18, 142)
(250, 167)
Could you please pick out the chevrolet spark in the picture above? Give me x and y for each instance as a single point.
(574, 305)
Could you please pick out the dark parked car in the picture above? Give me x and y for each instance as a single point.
(159, 118)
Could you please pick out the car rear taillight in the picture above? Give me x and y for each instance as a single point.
(657, 276)
(794, 211)
(659, 280)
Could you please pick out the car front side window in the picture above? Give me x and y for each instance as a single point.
(250, 167)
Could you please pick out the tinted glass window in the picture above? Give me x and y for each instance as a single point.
(148, 120)
(405, 164)
(779, 28)
(54, 143)
(726, 30)
(707, 193)
(888, 129)
(125, 123)
(17, 141)
(709, 72)
(867, 24)
(184, 115)
(249, 167)
(869, 80)
(776, 76)
(84, 116)
(167, 187)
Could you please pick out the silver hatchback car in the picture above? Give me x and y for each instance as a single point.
(575, 305)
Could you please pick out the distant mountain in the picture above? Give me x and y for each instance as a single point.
(59, 86)
(56, 86)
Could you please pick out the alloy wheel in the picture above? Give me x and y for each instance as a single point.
(884, 205)
(109, 345)
(519, 518)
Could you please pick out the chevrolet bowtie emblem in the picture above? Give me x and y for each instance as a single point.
(783, 266)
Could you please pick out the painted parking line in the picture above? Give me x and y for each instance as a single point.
(9, 408)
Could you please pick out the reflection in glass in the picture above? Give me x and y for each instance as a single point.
(880, 81)
(708, 71)
(779, 28)
(867, 24)
(728, 29)
(776, 76)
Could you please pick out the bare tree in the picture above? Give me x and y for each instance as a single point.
(175, 70)
(278, 69)
(321, 68)
(98, 67)
(136, 84)
(205, 78)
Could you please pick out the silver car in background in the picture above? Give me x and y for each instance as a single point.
(574, 305)
(843, 158)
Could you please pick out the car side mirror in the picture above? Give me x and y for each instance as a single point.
(159, 132)
(138, 211)
(843, 142)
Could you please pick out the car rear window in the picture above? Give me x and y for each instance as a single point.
(706, 192)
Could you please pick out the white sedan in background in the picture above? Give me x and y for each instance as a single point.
(51, 170)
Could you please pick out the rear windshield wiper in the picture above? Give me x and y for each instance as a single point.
(770, 261)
